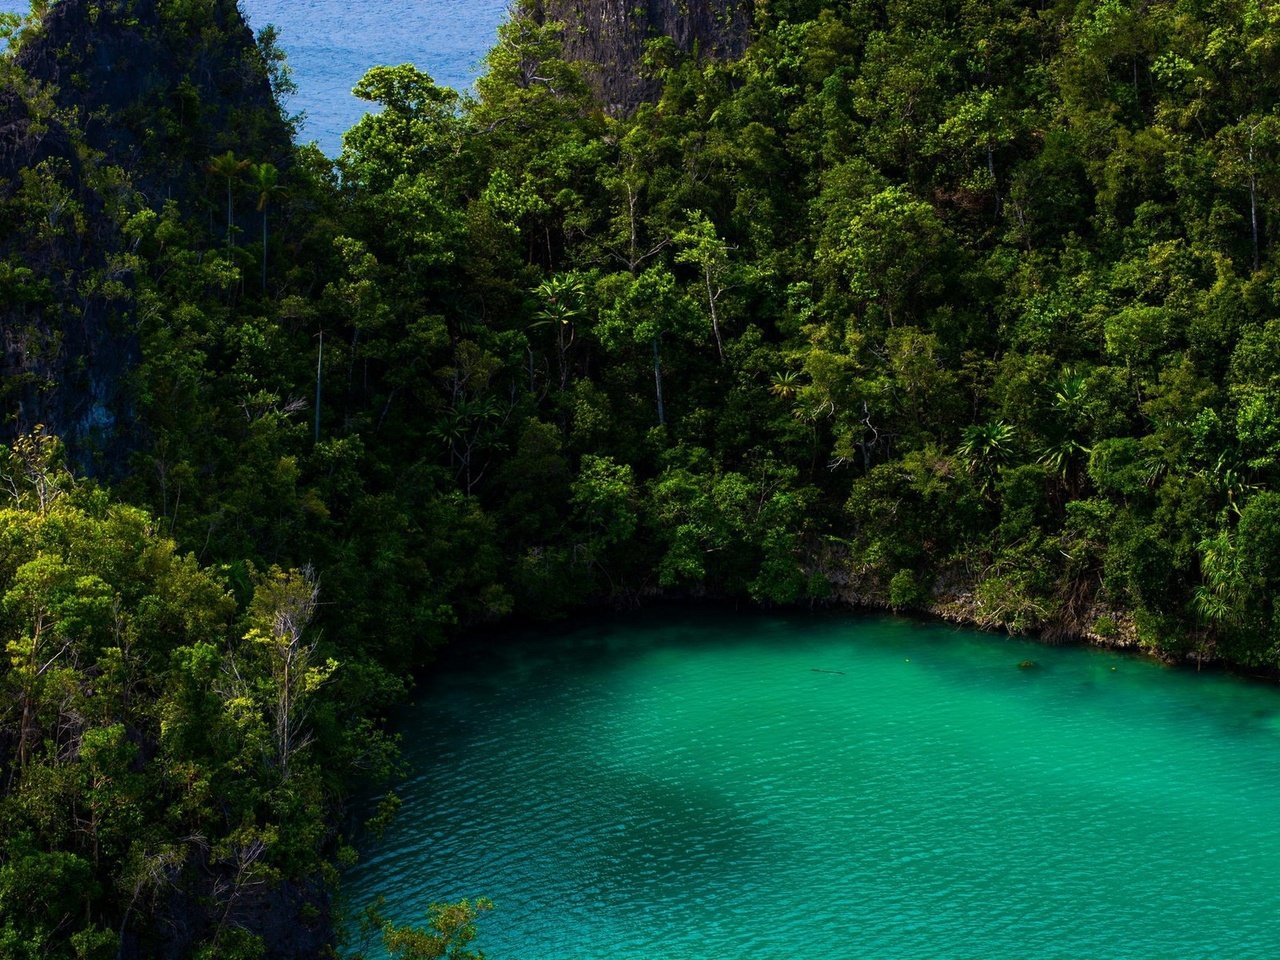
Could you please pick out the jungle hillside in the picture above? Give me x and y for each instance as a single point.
(963, 308)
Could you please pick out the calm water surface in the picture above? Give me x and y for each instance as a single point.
(331, 43)
(689, 786)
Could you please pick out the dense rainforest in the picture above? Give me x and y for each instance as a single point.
(961, 307)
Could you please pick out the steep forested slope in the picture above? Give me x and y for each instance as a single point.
(961, 307)
(149, 806)
(967, 307)
(109, 109)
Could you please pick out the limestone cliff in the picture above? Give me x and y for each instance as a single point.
(158, 88)
(610, 37)
(107, 106)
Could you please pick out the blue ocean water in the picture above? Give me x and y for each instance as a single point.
(331, 43)
(712, 786)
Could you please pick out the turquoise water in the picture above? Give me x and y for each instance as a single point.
(690, 786)
(331, 43)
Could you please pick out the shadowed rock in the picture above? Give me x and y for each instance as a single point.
(610, 36)
(112, 106)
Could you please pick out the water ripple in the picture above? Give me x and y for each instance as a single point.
(690, 788)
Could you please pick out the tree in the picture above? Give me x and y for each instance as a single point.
(451, 927)
(229, 168)
(1220, 599)
(284, 605)
(562, 302)
(1248, 152)
(700, 246)
(265, 180)
(979, 122)
(417, 127)
(33, 467)
(642, 309)
(605, 507)
(892, 253)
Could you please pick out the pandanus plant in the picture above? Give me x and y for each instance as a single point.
(563, 302)
(785, 384)
(986, 447)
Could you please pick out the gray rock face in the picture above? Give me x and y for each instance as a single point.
(158, 94)
(610, 36)
(65, 348)
(106, 84)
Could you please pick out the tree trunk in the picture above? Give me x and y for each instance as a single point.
(711, 304)
(319, 361)
(264, 251)
(657, 381)
(991, 169)
(562, 350)
(26, 733)
(1253, 201)
(1253, 217)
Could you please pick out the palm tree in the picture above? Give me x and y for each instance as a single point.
(227, 166)
(1066, 453)
(264, 177)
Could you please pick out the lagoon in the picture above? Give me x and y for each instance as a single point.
(708, 785)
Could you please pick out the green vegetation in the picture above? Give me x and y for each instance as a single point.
(450, 929)
(968, 307)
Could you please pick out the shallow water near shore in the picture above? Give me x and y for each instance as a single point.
(707, 785)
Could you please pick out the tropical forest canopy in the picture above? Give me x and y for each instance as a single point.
(969, 307)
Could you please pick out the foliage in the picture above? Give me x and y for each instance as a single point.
(912, 304)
